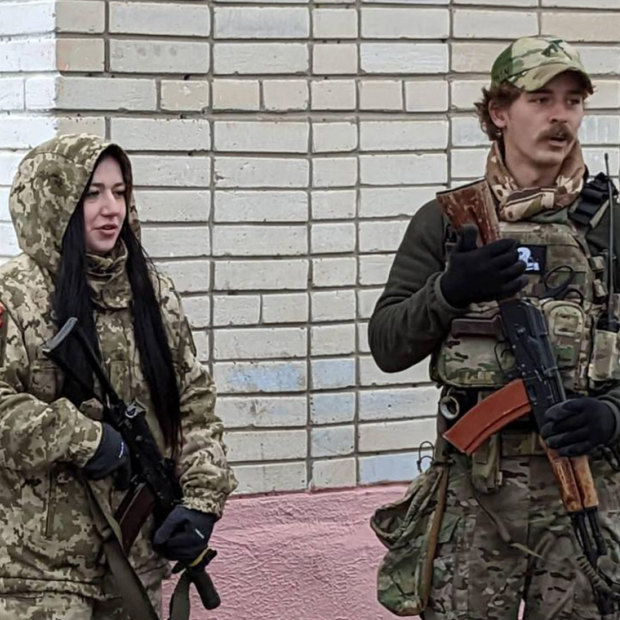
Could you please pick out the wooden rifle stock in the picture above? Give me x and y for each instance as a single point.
(135, 508)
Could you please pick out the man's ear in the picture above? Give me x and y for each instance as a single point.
(498, 114)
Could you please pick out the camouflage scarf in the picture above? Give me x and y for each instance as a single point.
(107, 278)
(516, 203)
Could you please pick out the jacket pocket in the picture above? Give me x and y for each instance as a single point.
(45, 380)
(410, 528)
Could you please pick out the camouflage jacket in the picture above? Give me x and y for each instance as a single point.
(49, 539)
(412, 318)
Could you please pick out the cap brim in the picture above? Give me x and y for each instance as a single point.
(536, 78)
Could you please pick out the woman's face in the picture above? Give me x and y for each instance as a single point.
(105, 207)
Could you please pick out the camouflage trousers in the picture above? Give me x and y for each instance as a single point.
(477, 576)
(65, 606)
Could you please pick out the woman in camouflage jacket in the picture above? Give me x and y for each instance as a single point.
(76, 224)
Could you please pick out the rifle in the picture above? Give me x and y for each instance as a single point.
(538, 387)
(154, 487)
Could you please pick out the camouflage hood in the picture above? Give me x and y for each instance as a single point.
(48, 186)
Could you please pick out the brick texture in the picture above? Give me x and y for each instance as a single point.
(280, 149)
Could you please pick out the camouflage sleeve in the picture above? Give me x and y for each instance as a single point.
(34, 433)
(205, 475)
(412, 316)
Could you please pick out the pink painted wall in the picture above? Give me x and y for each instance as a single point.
(309, 556)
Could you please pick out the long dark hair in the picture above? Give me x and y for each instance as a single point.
(72, 297)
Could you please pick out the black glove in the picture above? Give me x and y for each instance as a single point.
(492, 271)
(184, 534)
(110, 458)
(577, 426)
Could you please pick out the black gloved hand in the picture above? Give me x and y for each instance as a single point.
(492, 271)
(184, 534)
(577, 426)
(110, 458)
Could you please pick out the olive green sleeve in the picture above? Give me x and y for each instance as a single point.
(412, 316)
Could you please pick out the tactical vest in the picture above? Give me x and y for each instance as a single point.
(568, 284)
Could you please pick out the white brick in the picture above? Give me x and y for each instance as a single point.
(466, 131)
(333, 473)
(262, 136)
(331, 374)
(466, 92)
(333, 306)
(333, 95)
(236, 310)
(600, 60)
(334, 23)
(332, 441)
(173, 205)
(176, 241)
(261, 206)
(262, 58)
(332, 238)
(171, 171)
(334, 58)
(177, 19)
(182, 95)
(426, 96)
(258, 377)
(513, 3)
(261, 275)
(366, 300)
(406, 58)
(401, 23)
(81, 124)
(80, 54)
(91, 93)
(261, 23)
(80, 16)
(266, 445)
(190, 276)
(395, 435)
(334, 172)
(332, 408)
(403, 169)
(271, 477)
(198, 311)
(334, 137)
(12, 93)
(381, 95)
(374, 269)
(496, 24)
(379, 236)
(332, 339)
(390, 404)
(263, 411)
(260, 343)
(468, 163)
(582, 26)
(36, 54)
(333, 204)
(144, 56)
(394, 201)
(594, 158)
(236, 95)
(8, 166)
(607, 95)
(21, 18)
(161, 134)
(261, 172)
(474, 57)
(282, 95)
(25, 132)
(10, 246)
(594, 4)
(362, 328)
(259, 240)
(333, 271)
(371, 375)
(600, 130)
(289, 308)
(403, 135)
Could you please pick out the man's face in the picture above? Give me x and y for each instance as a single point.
(540, 128)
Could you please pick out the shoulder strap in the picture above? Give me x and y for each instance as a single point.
(592, 202)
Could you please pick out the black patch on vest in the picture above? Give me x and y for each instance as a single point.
(534, 257)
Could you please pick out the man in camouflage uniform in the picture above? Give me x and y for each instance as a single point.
(51, 561)
(505, 536)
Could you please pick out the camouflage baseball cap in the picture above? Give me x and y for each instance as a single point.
(530, 62)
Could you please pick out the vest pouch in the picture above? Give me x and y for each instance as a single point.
(410, 529)
(605, 358)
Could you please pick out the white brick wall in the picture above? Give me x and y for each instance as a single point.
(280, 149)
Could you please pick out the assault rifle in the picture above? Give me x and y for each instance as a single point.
(538, 386)
(154, 487)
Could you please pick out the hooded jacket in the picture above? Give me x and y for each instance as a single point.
(49, 541)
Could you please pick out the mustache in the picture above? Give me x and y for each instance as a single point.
(561, 132)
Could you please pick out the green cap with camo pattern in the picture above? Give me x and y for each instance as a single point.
(530, 62)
